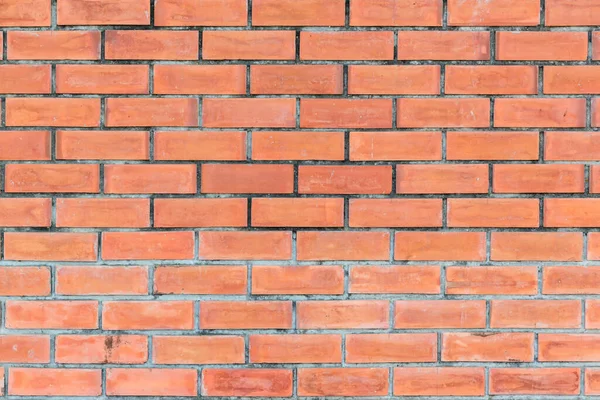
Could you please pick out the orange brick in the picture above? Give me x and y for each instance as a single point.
(394, 279)
(439, 246)
(151, 112)
(103, 12)
(345, 179)
(247, 178)
(25, 79)
(245, 315)
(493, 346)
(193, 213)
(449, 381)
(494, 13)
(343, 314)
(123, 213)
(592, 381)
(52, 178)
(51, 314)
(52, 112)
(592, 314)
(54, 382)
(144, 315)
(493, 145)
(198, 349)
(594, 179)
(595, 112)
(566, 213)
(407, 213)
(493, 213)
(539, 112)
(296, 79)
(101, 349)
(297, 212)
(318, 279)
(394, 79)
(396, 13)
(24, 281)
(200, 145)
(24, 349)
(536, 178)
(569, 13)
(536, 246)
(298, 13)
(25, 145)
(208, 279)
(150, 178)
(261, 382)
(148, 245)
(47, 246)
(443, 45)
(151, 382)
(248, 45)
(343, 245)
(276, 349)
(346, 113)
(535, 314)
(102, 79)
(102, 145)
(443, 112)
(80, 280)
(593, 252)
(571, 146)
(240, 245)
(571, 280)
(492, 280)
(568, 347)
(540, 381)
(573, 79)
(53, 45)
(407, 347)
(249, 112)
(491, 79)
(200, 12)
(395, 145)
(532, 46)
(30, 13)
(29, 212)
(426, 314)
(151, 45)
(347, 45)
(299, 145)
(354, 382)
(199, 79)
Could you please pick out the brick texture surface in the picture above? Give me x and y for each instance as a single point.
(381, 199)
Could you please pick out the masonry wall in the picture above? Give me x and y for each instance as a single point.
(299, 198)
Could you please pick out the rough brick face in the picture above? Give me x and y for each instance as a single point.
(379, 199)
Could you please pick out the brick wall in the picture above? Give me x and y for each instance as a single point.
(299, 198)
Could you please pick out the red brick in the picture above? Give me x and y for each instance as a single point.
(443, 45)
(439, 246)
(566, 213)
(200, 12)
(396, 13)
(592, 381)
(573, 79)
(443, 112)
(207, 279)
(593, 252)
(571, 146)
(247, 178)
(248, 45)
(51, 314)
(199, 79)
(101, 349)
(298, 13)
(103, 12)
(344, 179)
(148, 245)
(198, 213)
(50, 246)
(494, 13)
(150, 178)
(540, 381)
(493, 346)
(53, 45)
(347, 45)
(298, 145)
(406, 213)
(198, 349)
(151, 45)
(407, 347)
(25, 79)
(151, 382)
(100, 212)
(29, 13)
(245, 315)
(27, 212)
(102, 145)
(532, 46)
(25, 145)
(394, 79)
(536, 246)
(249, 112)
(318, 279)
(571, 280)
(296, 79)
(67, 112)
(200, 145)
(535, 314)
(24, 281)
(304, 212)
(536, 178)
(244, 245)
(493, 145)
(428, 314)
(492, 280)
(491, 79)
(343, 314)
(102, 79)
(343, 245)
(355, 382)
(569, 13)
(394, 279)
(592, 314)
(345, 113)
(568, 347)
(105, 280)
(395, 145)
(54, 382)
(276, 349)
(594, 179)
(125, 112)
(26, 349)
(254, 382)
(448, 381)
(147, 315)
(493, 213)
(539, 112)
